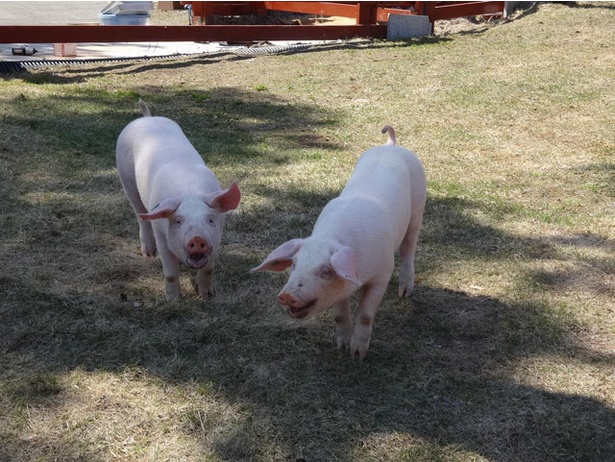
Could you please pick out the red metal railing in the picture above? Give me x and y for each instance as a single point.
(369, 17)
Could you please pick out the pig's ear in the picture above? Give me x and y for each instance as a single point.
(345, 265)
(281, 258)
(226, 200)
(163, 210)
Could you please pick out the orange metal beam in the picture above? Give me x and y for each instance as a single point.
(88, 33)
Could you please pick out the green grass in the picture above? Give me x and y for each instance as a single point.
(506, 350)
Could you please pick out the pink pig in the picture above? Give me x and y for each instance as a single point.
(179, 205)
(353, 244)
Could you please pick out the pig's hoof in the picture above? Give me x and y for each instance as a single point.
(172, 297)
(148, 251)
(359, 351)
(205, 292)
(343, 343)
(206, 295)
(344, 336)
(172, 288)
(358, 355)
(405, 290)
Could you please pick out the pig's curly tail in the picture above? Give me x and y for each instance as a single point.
(144, 109)
(392, 140)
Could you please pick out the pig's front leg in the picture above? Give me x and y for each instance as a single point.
(343, 324)
(368, 305)
(170, 269)
(147, 239)
(204, 280)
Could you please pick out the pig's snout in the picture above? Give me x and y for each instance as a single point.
(296, 308)
(286, 299)
(197, 250)
(197, 245)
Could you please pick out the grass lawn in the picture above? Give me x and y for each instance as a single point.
(506, 350)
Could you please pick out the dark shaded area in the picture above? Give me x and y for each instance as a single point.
(221, 122)
(429, 371)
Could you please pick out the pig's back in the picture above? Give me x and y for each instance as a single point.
(374, 204)
(389, 183)
(384, 173)
(165, 162)
(159, 139)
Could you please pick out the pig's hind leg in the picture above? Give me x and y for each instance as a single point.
(146, 233)
(407, 251)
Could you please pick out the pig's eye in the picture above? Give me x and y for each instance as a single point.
(178, 221)
(211, 222)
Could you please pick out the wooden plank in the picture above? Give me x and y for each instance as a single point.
(96, 33)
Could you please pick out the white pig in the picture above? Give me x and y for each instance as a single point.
(179, 205)
(353, 244)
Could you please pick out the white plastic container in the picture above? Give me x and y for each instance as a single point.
(126, 13)
(128, 8)
(65, 49)
(123, 19)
